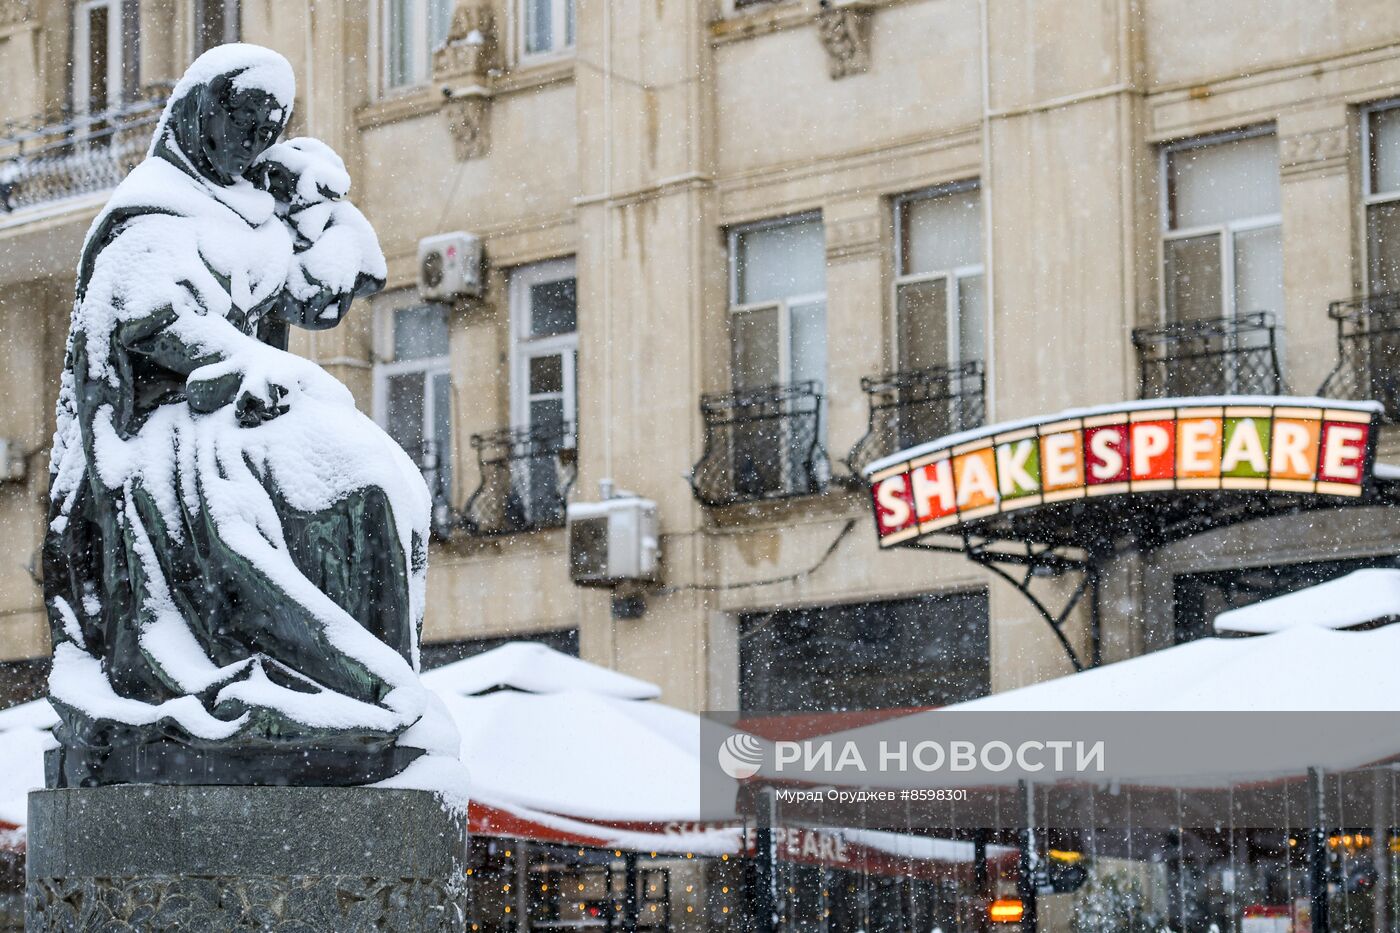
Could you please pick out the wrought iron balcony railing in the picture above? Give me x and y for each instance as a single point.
(1225, 356)
(436, 466)
(1368, 351)
(526, 474)
(908, 408)
(44, 160)
(761, 444)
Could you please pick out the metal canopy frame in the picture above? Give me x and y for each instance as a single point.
(1082, 536)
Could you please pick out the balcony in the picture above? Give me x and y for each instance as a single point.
(48, 160)
(1368, 351)
(526, 474)
(761, 444)
(1225, 356)
(908, 408)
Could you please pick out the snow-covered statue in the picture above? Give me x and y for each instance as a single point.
(234, 566)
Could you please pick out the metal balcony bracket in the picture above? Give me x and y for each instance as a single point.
(761, 444)
(526, 474)
(1218, 356)
(908, 408)
(1368, 352)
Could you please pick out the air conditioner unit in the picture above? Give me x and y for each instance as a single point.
(450, 266)
(614, 541)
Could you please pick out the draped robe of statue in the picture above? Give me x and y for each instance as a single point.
(235, 557)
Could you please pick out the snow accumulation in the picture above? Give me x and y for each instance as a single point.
(1364, 596)
(1388, 471)
(583, 754)
(1278, 671)
(260, 69)
(343, 244)
(24, 737)
(925, 848)
(1203, 401)
(593, 753)
(534, 668)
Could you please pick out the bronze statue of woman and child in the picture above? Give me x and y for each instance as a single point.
(235, 557)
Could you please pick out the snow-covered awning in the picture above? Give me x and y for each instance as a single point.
(1359, 598)
(533, 668)
(580, 754)
(1282, 672)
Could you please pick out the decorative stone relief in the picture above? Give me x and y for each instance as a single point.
(845, 35)
(232, 905)
(853, 238)
(469, 57)
(469, 120)
(1318, 149)
(470, 49)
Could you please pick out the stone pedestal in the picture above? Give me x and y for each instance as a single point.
(156, 858)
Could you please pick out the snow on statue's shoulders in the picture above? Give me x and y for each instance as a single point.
(159, 186)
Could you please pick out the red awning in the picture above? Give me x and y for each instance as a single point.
(863, 851)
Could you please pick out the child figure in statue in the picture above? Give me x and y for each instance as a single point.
(235, 558)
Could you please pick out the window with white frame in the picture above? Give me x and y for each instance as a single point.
(413, 385)
(544, 331)
(939, 303)
(777, 354)
(1221, 246)
(215, 22)
(105, 54)
(777, 321)
(411, 30)
(546, 26)
(1381, 192)
(543, 380)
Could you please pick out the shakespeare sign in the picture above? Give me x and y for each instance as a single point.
(1269, 443)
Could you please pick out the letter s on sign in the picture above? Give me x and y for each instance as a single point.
(893, 504)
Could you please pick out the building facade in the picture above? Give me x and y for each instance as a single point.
(737, 250)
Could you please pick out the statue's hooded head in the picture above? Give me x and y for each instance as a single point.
(230, 105)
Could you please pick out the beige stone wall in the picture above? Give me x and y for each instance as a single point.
(670, 122)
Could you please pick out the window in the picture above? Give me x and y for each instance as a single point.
(215, 22)
(412, 29)
(547, 26)
(438, 654)
(1381, 191)
(777, 323)
(105, 54)
(777, 356)
(413, 387)
(1222, 254)
(929, 651)
(544, 324)
(940, 316)
(543, 380)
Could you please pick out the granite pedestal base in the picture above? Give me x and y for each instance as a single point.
(151, 858)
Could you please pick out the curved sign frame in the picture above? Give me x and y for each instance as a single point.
(1262, 444)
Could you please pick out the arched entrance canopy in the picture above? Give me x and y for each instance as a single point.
(1070, 491)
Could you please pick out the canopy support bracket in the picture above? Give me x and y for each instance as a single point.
(1045, 561)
